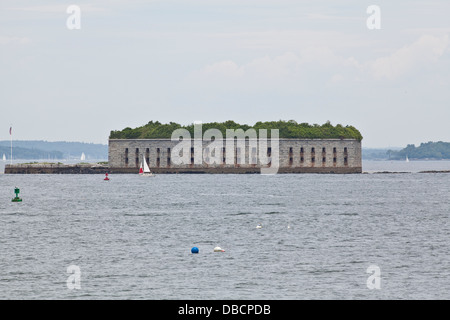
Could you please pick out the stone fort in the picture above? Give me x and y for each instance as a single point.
(295, 156)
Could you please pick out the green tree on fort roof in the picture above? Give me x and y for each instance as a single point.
(287, 129)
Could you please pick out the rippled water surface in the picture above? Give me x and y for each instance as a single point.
(131, 237)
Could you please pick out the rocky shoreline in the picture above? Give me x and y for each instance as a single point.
(56, 168)
(405, 172)
(97, 168)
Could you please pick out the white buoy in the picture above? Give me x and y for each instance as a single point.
(218, 249)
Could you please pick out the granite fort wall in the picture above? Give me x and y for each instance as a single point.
(295, 156)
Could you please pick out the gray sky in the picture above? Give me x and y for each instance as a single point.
(245, 60)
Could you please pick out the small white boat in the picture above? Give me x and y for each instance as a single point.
(407, 159)
(145, 172)
(4, 157)
(83, 156)
(259, 226)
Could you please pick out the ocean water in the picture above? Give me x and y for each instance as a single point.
(131, 237)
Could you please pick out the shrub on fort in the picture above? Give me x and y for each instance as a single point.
(287, 129)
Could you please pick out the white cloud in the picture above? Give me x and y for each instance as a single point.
(6, 40)
(427, 49)
(337, 78)
(260, 70)
(56, 8)
(282, 70)
(226, 68)
(324, 64)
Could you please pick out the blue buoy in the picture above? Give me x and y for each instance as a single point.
(194, 250)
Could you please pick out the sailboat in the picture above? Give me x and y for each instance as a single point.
(146, 171)
(4, 157)
(83, 156)
(407, 159)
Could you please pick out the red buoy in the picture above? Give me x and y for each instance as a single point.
(106, 178)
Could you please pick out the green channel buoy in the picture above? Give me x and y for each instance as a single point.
(16, 198)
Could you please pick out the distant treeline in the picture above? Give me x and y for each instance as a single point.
(38, 149)
(287, 129)
(430, 150)
(24, 153)
(375, 153)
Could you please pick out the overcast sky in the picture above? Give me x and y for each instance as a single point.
(134, 61)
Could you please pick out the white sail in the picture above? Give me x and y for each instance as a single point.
(147, 172)
(146, 167)
(407, 159)
(83, 156)
(4, 157)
